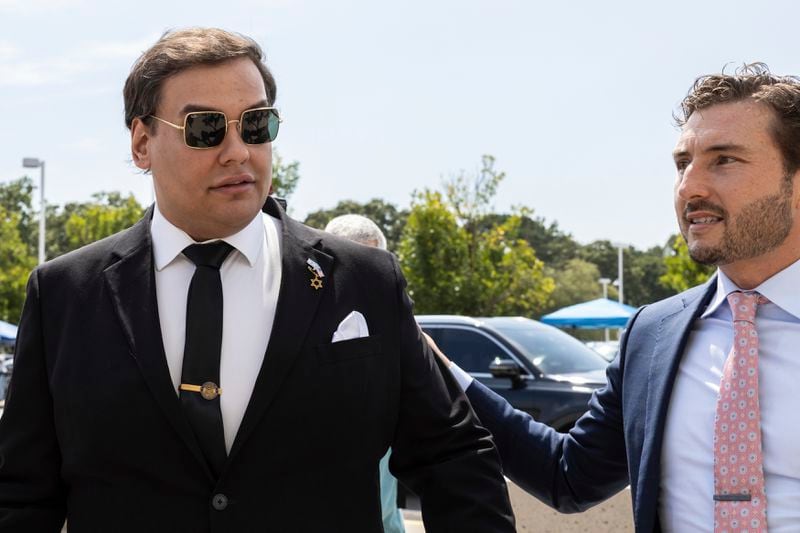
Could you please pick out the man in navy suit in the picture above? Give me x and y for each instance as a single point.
(652, 426)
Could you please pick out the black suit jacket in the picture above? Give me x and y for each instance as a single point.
(93, 428)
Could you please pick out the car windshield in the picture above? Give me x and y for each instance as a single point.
(551, 350)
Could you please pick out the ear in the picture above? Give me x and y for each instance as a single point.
(796, 189)
(140, 144)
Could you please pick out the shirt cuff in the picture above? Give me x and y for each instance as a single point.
(464, 380)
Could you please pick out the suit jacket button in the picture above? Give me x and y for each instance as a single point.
(219, 502)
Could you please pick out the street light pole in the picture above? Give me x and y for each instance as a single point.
(604, 282)
(32, 162)
(619, 273)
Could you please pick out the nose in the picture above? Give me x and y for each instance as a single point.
(692, 183)
(234, 149)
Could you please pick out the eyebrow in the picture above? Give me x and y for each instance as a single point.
(727, 147)
(193, 108)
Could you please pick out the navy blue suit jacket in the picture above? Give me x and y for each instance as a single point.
(618, 441)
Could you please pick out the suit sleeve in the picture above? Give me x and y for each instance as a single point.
(568, 471)
(32, 497)
(440, 451)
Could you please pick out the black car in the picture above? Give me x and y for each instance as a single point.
(536, 367)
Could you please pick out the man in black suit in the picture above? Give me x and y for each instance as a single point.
(214, 368)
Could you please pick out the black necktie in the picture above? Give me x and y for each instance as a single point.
(200, 386)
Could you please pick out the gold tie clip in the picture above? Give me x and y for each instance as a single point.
(208, 390)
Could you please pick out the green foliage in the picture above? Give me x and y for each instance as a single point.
(433, 252)
(575, 282)
(682, 272)
(75, 225)
(511, 278)
(92, 221)
(553, 246)
(387, 216)
(284, 175)
(16, 197)
(16, 263)
(457, 263)
(641, 270)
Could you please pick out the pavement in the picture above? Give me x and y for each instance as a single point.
(413, 521)
(612, 516)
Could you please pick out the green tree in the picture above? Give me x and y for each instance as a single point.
(683, 272)
(387, 216)
(433, 253)
(641, 270)
(16, 263)
(284, 175)
(603, 254)
(68, 228)
(19, 235)
(455, 263)
(16, 197)
(86, 223)
(575, 282)
(553, 246)
(510, 278)
(644, 269)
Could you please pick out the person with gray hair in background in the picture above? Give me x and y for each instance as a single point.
(357, 228)
(362, 230)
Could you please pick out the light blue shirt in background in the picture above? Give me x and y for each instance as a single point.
(392, 519)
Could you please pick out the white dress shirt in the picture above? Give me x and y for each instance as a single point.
(251, 279)
(687, 458)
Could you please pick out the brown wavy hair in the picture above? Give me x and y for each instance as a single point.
(178, 50)
(753, 82)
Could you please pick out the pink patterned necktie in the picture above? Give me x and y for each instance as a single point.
(740, 503)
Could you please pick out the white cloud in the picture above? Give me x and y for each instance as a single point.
(48, 71)
(7, 50)
(86, 145)
(117, 49)
(93, 56)
(37, 6)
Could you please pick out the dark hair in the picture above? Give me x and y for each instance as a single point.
(179, 50)
(754, 82)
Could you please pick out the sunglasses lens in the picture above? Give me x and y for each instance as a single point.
(259, 126)
(205, 130)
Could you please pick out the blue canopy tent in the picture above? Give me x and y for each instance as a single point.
(595, 314)
(8, 332)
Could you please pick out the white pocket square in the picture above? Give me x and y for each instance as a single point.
(353, 326)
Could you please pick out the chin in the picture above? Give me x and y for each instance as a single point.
(705, 255)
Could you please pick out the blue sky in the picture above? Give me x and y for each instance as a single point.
(574, 99)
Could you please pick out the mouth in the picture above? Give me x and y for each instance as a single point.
(702, 215)
(696, 220)
(233, 183)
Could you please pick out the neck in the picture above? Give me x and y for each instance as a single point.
(750, 273)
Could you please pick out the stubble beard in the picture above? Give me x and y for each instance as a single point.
(760, 227)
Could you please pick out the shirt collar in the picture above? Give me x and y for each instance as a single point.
(169, 240)
(782, 289)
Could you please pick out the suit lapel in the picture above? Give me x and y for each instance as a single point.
(131, 283)
(671, 338)
(297, 305)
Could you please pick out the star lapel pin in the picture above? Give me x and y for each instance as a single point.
(316, 274)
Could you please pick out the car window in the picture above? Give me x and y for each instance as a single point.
(470, 350)
(553, 351)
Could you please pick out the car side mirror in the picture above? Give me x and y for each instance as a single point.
(507, 368)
